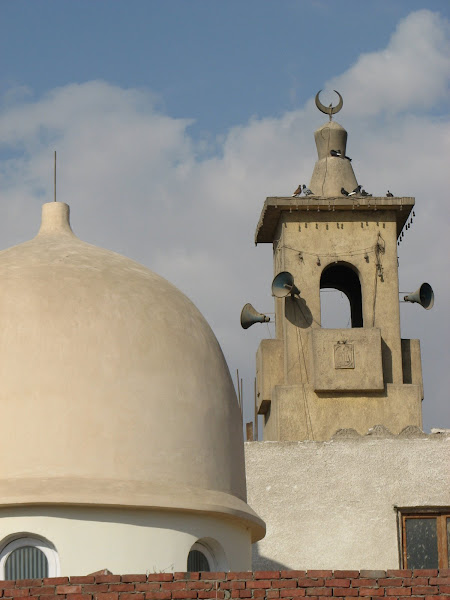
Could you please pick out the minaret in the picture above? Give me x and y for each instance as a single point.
(312, 381)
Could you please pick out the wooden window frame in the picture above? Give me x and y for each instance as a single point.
(441, 515)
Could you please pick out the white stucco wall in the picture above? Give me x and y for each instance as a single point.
(126, 541)
(332, 504)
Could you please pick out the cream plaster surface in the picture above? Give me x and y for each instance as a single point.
(88, 539)
(115, 388)
(332, 505)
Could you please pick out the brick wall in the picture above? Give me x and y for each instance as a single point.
(314, 585)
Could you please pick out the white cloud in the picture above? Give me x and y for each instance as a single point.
(136, 185)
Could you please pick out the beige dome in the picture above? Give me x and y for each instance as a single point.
(115, 391)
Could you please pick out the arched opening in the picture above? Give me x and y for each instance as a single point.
(337, 312)
(206, 555)
(28, 558)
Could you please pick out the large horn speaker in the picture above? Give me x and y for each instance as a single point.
(283, 284)
(423, 296)
(250, 316)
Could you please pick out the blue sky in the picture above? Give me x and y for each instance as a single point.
(178, 118)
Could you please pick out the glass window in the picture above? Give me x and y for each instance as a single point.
(426, 539)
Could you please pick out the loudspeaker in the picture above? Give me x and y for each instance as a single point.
(423, 296)
(250, 316)
(283, 284)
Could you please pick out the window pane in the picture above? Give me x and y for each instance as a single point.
(421, 544)
(197, 561)
(27, 562)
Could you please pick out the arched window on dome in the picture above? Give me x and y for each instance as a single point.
(345, 310)
(206, 555)
(28, 558)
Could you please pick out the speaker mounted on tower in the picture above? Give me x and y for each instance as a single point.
(424, 296)
(250, 316)
(283, 285)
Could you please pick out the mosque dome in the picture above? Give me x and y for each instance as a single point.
(115, 391)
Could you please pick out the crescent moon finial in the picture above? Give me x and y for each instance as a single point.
(329, 110)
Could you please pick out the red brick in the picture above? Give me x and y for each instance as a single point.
(292, 593)
(372, 573)
(56, 597)
(433, 580)
(372, 591)
(107, 596)
(292, 574)
(391, 582)
(158, 596)
(173, 585)
(107, 578)
(345, 574)
(338, 582)
(28, 597)
(438, 597)
(345, 591)
(132, 596)
(232, 575)
(68, 589)
(261, 583)
(213, 575)
(81, 597)
(44, 590)
(267, 574)
(424, 590)
(444, 589)
(7, 584)
(55, 580)
(95, 588)
(160, 577)
(131, 578)
(121, 587)
(403, 591)
(364, 583)
(315, 573)
(237, 585)
(284, 583)
(259, 593)
(399, 573)
(244, 593)
(319, 591)
(273, 594)
(409, 581)
(147, 587)
(28, 582)
(444, 572)
(200, 585)
(310, 582)
(209, 594)
(19, 592)
(83, 579)
(425, 572)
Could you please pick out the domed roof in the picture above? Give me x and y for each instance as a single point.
(114, 388)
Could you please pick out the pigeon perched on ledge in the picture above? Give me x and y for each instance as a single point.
(364, 193)
(355, 191)
(298, 191)
(389, 195)
(307, 191)
(344, 192)
(335, 153)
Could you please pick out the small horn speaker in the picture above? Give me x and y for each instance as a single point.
(423, 296)
(250, 316)
(283, 284)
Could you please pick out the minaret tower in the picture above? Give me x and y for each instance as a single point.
(312, 381)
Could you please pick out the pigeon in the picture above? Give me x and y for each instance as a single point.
(348, 158)
(389, 195)
(335, 153)
(344, 192)
(357, 190)
(298, 191)
(364, 193)
(307, 191)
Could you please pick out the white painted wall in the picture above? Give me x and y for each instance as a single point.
(331, 505)
(126, 541)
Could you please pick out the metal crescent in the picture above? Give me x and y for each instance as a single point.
(329, 110)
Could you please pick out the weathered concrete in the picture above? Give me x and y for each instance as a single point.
(332, 505)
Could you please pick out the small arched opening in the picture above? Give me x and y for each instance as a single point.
(27, 557)
(339, 312)
(206, 555)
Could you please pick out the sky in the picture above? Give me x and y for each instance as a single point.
(173, 121)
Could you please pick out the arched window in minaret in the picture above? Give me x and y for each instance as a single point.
(343, 277)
